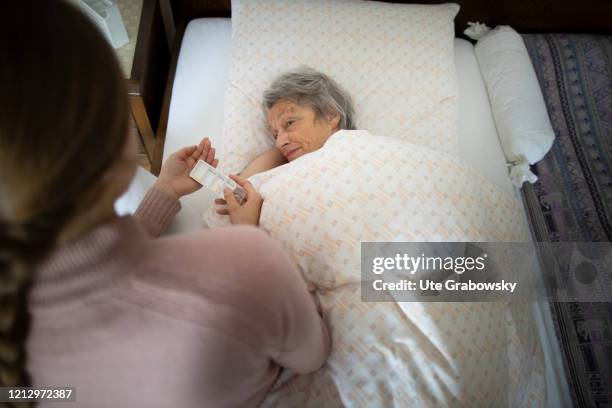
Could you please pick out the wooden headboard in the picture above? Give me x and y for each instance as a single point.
(523, 15)
(527, 16)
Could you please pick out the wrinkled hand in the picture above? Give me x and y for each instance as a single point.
(174, 175)
(246, 213)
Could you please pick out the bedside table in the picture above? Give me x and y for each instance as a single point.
(144, 65)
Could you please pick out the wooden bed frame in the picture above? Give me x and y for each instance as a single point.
(166, 21)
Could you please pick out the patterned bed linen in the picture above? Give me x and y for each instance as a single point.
(363, 187)
(572, 200)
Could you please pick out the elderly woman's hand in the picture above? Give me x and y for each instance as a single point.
(246, 213)
(174, 175)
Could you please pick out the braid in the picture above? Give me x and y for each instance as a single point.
(22, 246)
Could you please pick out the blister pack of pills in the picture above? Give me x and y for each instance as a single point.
(215, 181)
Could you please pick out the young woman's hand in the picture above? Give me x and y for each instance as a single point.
(246, 213)
(174, 175)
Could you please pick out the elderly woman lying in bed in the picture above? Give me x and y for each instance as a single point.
(303, 109)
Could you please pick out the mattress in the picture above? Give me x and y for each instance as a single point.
(196, 111)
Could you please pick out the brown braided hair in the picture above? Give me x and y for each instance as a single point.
(63, 124)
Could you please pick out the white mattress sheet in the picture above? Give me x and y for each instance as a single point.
(196, 111)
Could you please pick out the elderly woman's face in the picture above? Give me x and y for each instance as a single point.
(297, 130)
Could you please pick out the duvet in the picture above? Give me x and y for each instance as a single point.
(364, 187)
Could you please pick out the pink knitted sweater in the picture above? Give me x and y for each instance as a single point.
(199, 320)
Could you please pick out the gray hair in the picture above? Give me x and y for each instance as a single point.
(305, 86)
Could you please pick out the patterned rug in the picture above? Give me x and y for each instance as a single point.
(572, 200)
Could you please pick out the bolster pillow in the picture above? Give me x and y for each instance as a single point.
(516, 99)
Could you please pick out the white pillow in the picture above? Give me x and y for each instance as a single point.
(518, 106)
(395, 60)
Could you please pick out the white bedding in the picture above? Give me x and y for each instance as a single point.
(321, 206)
(197, 110)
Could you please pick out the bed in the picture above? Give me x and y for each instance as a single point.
(196, 110)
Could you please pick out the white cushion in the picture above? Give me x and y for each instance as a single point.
(396, 61)
(518, 106)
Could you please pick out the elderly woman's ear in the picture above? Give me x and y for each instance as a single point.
(334, 121)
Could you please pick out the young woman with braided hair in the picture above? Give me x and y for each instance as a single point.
(98, 302)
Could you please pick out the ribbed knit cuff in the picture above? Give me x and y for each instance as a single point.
(156, 211)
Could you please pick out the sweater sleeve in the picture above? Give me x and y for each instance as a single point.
(156, 211)
(303, 338)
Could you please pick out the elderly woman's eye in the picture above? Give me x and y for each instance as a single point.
(289, 123)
